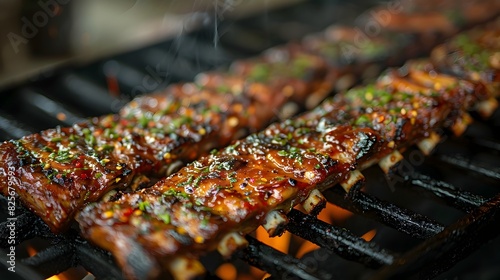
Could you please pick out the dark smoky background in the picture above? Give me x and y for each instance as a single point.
(64, 60)
(39, 35)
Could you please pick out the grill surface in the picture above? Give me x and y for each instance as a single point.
(429, 214)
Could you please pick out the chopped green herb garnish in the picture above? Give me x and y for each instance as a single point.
(260, 73)
(226, 165)
(143, 205)
(220, 187)
(283, 153)
(61, 156)
(178, 122)
(144, 121)
(165, 217)
(107, 147)
(56, 139)
(47, 149)
(198, 179)
(90, 139)
(278, 179)
(187, 182)
(362, 120)
(232, 178)
(223, 89)
(205, 221)
(178, 194)
(278, 140)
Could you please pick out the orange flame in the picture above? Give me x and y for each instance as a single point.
(331, 214)
(113, 86)
(58, 277)
(369, 235)
(31, 250)
(334, 214)
(280, 243)
(256, 273)
(61, 116)
(72, 273)
(305, 248)
(226, 271)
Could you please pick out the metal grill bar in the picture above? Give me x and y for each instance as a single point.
(26, 226)
(12, 128)
(280, 265)
(460, 161)
(98, 262)
(338, 240)
(53, 260)
(404, 220)
(450, 194)
(44, 107)
(86, 94)
(457, 241)
(490, 145)
(487, 143)
(22, 271)
(127, 76)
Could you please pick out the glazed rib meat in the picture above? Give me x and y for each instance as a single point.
(58, 171)
(212, 202)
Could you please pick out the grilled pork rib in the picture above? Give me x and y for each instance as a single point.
(60, 170)
(213, 201)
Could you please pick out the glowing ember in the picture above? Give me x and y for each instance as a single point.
(280, 243)
(226, 271)
(334, 214)
(58, 277)
(257, 273)
(369, 235)
(61, 116)
(31, 251)
(113, 87)
(305, 248)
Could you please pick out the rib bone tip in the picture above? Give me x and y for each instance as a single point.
(275, 223)
(314, 203)
(230, 243)
(461, 124)
(389, 161)
(486, 108)
(183, 268)
(427, 145)
(353, 178)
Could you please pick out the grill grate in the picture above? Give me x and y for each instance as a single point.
(435, 243)
(338, 240)
(457, 241)
(278, 264)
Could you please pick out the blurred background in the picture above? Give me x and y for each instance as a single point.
(36, 35)
(62, 61)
